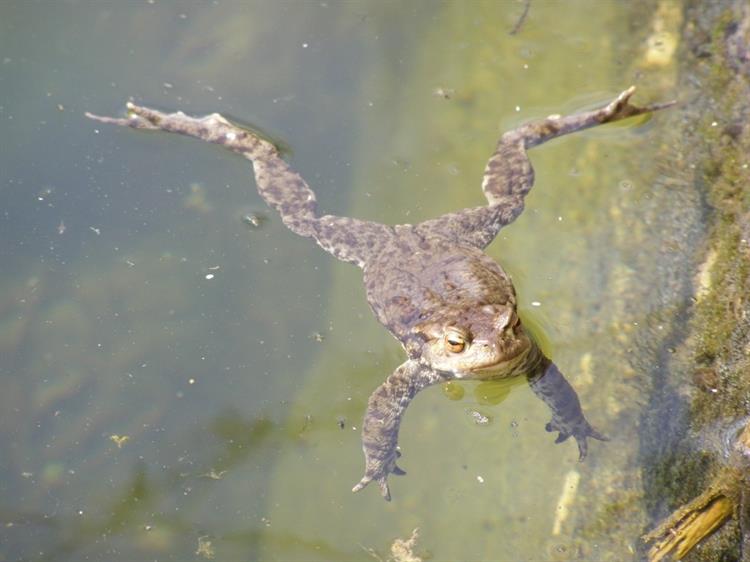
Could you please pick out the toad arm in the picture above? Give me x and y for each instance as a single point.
(549, 384)
(385, 408)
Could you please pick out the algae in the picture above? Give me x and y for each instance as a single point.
(712, 382)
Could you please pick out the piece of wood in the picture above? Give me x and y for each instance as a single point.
(690, 524)
(694, 521)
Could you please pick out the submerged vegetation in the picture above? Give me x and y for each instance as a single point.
(705, 468)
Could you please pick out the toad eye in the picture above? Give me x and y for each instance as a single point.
(455, 342)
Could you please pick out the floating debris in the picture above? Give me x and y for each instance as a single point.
(205, 548)
(254, 220)
(214, 475)
(119, 440)
(478, 417)
(341, 422)
(403, 550)
(444, 93)
(317, 336)
(44, 193)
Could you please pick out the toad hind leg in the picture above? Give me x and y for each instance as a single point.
(350, 240)
(509, 176)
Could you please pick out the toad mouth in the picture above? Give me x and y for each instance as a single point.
(505, 365)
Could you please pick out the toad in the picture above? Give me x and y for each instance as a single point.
(452, 307)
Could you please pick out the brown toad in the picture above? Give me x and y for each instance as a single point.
(450, 305)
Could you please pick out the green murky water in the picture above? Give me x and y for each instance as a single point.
(178, 384)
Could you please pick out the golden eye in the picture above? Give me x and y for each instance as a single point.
(455, 342)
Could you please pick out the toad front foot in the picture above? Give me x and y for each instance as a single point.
(385, 409)
(580, 431)
(378, 470)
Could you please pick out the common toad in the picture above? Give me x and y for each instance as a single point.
(451, 306)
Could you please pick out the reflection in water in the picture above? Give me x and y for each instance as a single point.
(492, 393)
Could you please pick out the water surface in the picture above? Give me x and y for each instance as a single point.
(178, 383)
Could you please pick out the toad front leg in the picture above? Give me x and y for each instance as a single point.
(385, 409)
(549, 384)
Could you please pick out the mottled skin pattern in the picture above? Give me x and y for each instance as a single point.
(451, 306)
